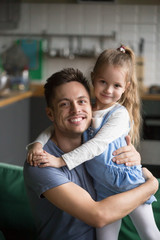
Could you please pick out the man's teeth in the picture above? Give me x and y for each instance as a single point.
(76, 120)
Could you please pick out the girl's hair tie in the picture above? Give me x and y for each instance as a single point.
(121, 49)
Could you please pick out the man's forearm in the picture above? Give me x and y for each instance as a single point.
(120, 205)
(79, 203)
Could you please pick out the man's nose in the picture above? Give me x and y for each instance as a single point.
(75, 107)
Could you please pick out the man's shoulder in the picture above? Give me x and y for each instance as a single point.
(42, 172)
(51, 148)
(42, 179)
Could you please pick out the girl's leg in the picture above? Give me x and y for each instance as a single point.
(109, 231)
(143, 219)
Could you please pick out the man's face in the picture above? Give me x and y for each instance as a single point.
(71, 109)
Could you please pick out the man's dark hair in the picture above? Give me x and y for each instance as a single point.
(64, 76)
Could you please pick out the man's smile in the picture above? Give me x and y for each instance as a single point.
(77, 119)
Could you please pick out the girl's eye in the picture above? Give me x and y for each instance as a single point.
(82, 101)
(117, 86)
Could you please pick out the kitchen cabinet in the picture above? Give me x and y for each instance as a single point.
(151, 120)
(9, 14)
(150, 142)
(14, 131)
(20, 124)
(38, 118)
(72, 19)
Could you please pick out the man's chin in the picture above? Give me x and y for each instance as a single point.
(77, 131)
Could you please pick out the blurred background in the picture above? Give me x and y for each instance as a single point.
(38, 38)
(66, 31)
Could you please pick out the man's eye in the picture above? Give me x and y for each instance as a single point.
(64, 104)
(103, 82)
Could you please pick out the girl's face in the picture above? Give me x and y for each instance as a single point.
(109, 84)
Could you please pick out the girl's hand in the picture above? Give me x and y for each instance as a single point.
(48, 160)
(127, 155)
(34, 150)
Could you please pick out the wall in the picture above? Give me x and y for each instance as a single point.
(129, 22)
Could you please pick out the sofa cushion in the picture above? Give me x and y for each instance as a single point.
(15, 213)
(2, 236)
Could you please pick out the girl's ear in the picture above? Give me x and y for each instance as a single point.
(127, 85)
(50, 113)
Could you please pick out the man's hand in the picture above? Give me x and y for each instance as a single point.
(149, 177)
(127, 155)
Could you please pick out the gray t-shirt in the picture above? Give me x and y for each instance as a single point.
(51, 222)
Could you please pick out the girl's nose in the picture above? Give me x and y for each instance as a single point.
(108, 89)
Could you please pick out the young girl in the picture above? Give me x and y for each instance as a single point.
(116, 113)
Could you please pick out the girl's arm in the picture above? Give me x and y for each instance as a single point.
(36, 148)
(116, 126)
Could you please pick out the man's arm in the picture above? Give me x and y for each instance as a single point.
(77, 202)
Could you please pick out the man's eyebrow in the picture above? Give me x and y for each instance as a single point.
(82, 97)
(63, 99)
(67, 99)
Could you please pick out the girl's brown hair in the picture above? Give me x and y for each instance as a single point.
(124, 57)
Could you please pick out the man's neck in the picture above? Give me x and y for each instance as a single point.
(65, 143)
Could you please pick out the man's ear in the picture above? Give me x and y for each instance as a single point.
(50, 113)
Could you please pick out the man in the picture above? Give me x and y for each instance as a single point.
(63, 201)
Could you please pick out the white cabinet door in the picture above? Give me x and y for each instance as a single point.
(56, 19)
(38, 18)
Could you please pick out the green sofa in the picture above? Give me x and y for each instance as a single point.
(16, 222)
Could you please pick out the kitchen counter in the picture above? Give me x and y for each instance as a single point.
(153, 97)
(36, 90)
(14, 96)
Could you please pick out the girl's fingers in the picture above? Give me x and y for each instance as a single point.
(44, 165)
(37, 157)
(29, 159)
(122, 150)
